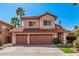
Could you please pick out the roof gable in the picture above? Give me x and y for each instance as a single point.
(38, 17)
(48, 14)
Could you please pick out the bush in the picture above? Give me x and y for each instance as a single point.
(70, 38)
(76, 43)
(56, 40)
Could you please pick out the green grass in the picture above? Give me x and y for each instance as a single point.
(66, 48)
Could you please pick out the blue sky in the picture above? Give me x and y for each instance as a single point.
(67, 13)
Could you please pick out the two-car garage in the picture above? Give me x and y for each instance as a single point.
(22, 39)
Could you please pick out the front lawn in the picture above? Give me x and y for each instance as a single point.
(66, 48)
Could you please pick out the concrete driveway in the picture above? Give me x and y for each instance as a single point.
(32, 50)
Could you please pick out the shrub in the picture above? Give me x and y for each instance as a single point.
(70, 38)
(56, 40)
(76, 43)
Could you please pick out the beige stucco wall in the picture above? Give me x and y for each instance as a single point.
(55, 35)
(26, 23)
(47, 17)
(64, 38)
(39, 22)
(13, 38)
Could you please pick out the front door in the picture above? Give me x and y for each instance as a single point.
(60, 37)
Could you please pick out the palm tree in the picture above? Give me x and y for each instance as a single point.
(20, 12)
(15, 21)
(60, 22)
(18, 22)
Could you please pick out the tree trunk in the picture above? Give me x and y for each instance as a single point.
(20, 21)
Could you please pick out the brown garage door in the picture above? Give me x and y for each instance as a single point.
(21, 39)
(40, 38)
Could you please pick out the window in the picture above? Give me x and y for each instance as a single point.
(31, 23)
(46, 23)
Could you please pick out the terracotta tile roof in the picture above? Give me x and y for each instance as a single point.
(30, 30)
(38, 17)
(6, 23)
(61, 30)
(17, 29)
(37, 30)
(58, 28)
(30, 17)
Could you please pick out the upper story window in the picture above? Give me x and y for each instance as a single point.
(31, 23)
(46, 22)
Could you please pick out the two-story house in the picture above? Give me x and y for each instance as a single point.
(38, 30)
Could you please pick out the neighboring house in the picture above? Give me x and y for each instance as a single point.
(5, 36)
(38, 30)
(76, 28)
(9, 26)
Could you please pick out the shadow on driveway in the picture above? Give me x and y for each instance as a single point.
(49, 46)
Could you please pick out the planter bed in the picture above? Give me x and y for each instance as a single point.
(66, 48)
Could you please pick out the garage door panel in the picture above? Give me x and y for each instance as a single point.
(42, 39)
(21, 39)
(35, 39)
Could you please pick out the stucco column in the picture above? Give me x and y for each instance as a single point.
(28, 37)
(52, 36)
(13, 39)
(64, 38)
(55, 35)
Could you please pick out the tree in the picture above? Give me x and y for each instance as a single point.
(60, 23)
(76, 33)
(75, 4)
(75, 27)
(15, 21)
(20, 12)
(71, 37)
(18, 22)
